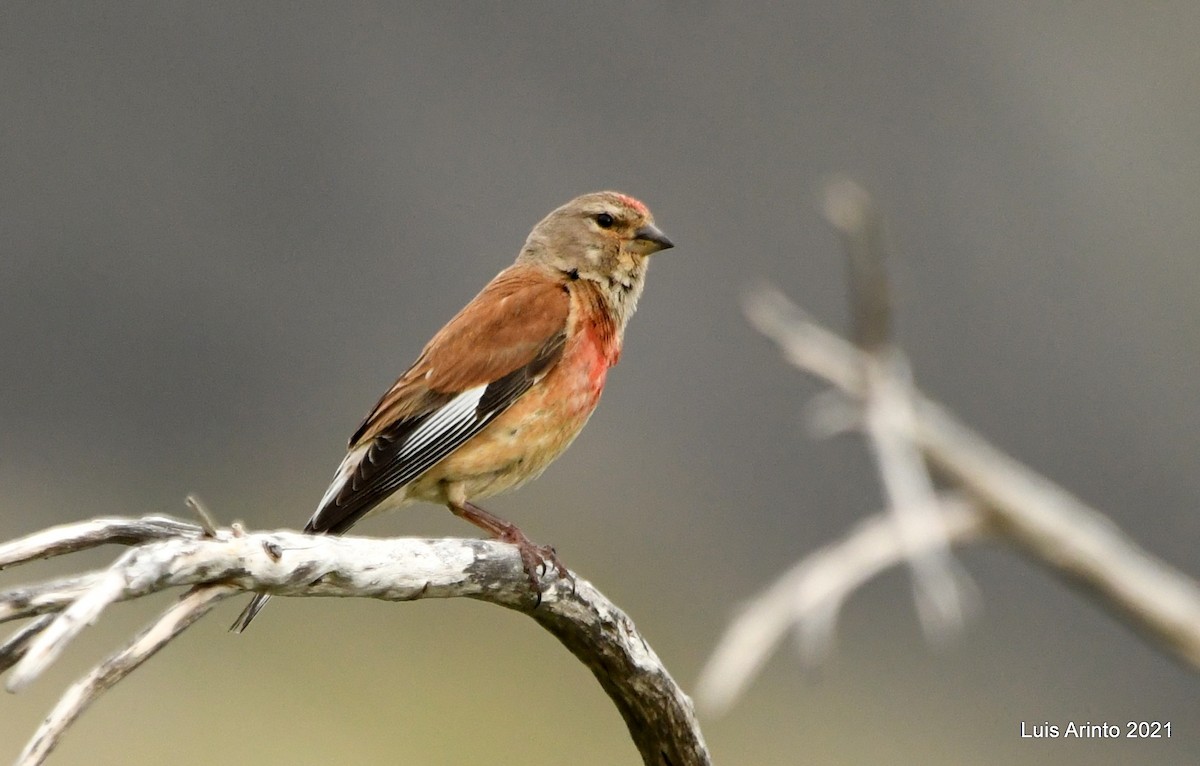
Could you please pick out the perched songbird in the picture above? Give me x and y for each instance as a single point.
(505, 387)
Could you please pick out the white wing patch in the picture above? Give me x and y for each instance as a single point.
(456, 416)
(346, 470)
(420, 449)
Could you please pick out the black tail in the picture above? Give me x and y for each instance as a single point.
(249, 613)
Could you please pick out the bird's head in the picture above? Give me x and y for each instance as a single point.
(604, 237)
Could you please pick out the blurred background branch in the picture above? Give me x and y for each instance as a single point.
(219, 563)
(1000, 498)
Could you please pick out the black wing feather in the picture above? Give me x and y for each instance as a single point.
(403, 451)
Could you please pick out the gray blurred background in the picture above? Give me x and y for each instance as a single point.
(225, 228)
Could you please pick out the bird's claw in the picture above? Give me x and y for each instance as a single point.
(535, 558)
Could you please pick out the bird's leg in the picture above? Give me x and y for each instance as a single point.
(533, 556)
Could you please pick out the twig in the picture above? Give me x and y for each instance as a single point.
(940, 584)
(810, 595)
(1056, 529)
(850, 210)
(207, 521)
(1043, 520)
(82, 535)
(906, 430)
(659, 715)
(86, 690)
(49, 596)
(16, 645)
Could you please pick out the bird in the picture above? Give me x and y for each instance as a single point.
(507, 384)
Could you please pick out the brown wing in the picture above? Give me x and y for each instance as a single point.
(473, 370)
(502, 329)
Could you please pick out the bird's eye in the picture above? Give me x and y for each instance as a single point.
(604, 220)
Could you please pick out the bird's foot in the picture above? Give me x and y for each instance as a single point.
(537, 560)
(534, 557)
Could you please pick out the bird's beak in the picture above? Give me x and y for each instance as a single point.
(651, 239)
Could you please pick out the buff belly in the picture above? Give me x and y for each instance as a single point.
(528, 437)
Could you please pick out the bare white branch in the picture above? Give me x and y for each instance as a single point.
(194, 605)
(16, 645)
(1017, 504)
(809, 596)
(940, 584)
(79, 536)
(659, 715)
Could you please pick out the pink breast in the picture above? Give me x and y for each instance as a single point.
(603, 352)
